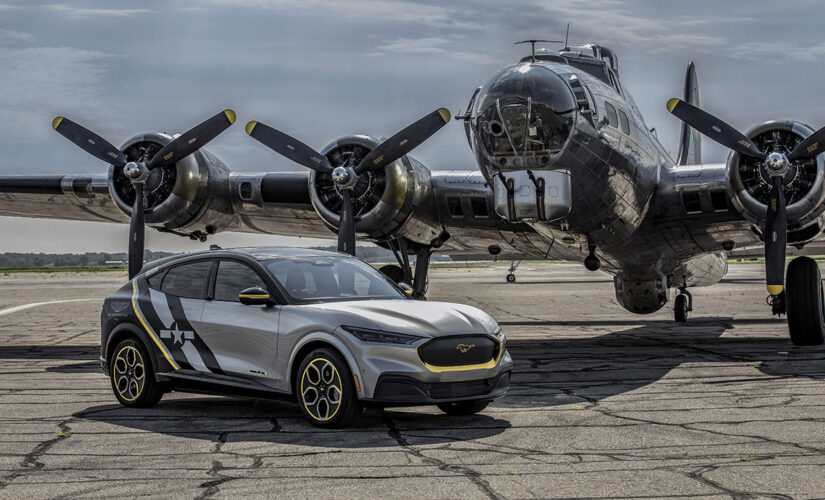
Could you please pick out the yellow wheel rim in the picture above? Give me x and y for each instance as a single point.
(321, 389)
(129, 373)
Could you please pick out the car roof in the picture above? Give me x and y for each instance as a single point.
(259, 254)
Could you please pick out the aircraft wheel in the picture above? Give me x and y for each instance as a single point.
(805, 302)
(132, 376)
(511, 278)
(680, 308)
(325, 390)
(393, 272)
(464, 407)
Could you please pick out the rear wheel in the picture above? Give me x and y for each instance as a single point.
(132, 376)
(805, 302)
(326, 391)
(464, 407)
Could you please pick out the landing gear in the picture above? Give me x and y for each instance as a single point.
(403, 272)
(682, 305)
(805, 302)
(511, 273)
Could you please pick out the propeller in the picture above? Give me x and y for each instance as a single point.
(138, 172)
(776, 164)
(346, 176)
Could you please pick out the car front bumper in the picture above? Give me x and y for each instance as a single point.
(403, 390)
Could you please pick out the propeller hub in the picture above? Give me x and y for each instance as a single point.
(136, 172)
(344, 177)
(777, 164)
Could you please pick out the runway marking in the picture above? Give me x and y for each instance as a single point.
(23, 307)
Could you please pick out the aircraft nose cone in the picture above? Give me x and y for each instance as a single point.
(523, 117)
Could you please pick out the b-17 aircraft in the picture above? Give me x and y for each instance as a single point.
(566, 168)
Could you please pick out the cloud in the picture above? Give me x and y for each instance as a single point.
(616, 24)
(761, 51)
(15, 36)
(73, 12)
(393, 11)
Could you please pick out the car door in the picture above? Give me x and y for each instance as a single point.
(174, 306)
(243, 338)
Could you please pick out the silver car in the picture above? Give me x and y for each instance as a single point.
(322, 327)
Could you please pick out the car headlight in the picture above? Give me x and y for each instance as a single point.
(500, 336)
(367, 335)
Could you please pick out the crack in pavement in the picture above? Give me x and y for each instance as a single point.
(473, 476)
(31, 462)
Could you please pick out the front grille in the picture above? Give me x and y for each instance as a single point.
(459, 350)
(449, 390)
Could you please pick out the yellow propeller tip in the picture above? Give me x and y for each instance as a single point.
(230, 115)
(775, 289)
(250, 126)
(445, 114)
(671, 103)
(56, 122)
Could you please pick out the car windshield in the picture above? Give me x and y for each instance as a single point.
(329, 279)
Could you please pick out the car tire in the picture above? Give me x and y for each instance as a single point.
(805, 302)
(464, 407)
(132, 375)
(325, 390)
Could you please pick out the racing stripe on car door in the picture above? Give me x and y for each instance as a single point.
(194, 347)
(141, 316)
(152, 302)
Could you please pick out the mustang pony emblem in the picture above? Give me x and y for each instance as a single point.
(464, 347)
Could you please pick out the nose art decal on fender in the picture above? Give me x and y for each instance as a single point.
(167, 316)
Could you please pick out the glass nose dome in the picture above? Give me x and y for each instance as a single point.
(522, 117)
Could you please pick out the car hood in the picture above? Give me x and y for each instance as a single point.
(414, 316)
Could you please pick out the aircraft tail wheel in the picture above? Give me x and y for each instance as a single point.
(805, 302)
(680, 308)
(511, 278)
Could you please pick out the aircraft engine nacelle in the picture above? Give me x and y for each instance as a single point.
(190, 197)
(749, 183)
(397, 201)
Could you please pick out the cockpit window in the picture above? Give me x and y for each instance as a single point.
(612, 117)
(330, 279)
(623, 121)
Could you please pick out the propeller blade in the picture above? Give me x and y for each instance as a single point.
(346, 230)
(89, 141)
(714, 128)
(776, 236)
(192, 140)
(288, 146)
(136, 233)
(403, 142)
(811, 146)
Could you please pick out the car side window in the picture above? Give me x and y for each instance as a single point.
(234, 277)
(188, 280)
(156, 279)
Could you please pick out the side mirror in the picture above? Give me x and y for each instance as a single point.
(255, 297)
(407, 288)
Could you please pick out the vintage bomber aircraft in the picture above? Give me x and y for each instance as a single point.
(567, 169)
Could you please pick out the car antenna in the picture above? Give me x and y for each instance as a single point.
(215, 247)
(533, 46)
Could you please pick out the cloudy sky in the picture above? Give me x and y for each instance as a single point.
(323, 68)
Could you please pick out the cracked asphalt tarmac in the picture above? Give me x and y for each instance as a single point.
(603, 404)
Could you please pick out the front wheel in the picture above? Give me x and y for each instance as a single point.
(326, 391)
(680, 308)
(805, 302)
(464, 407)
(132, 376)
(511, 278)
